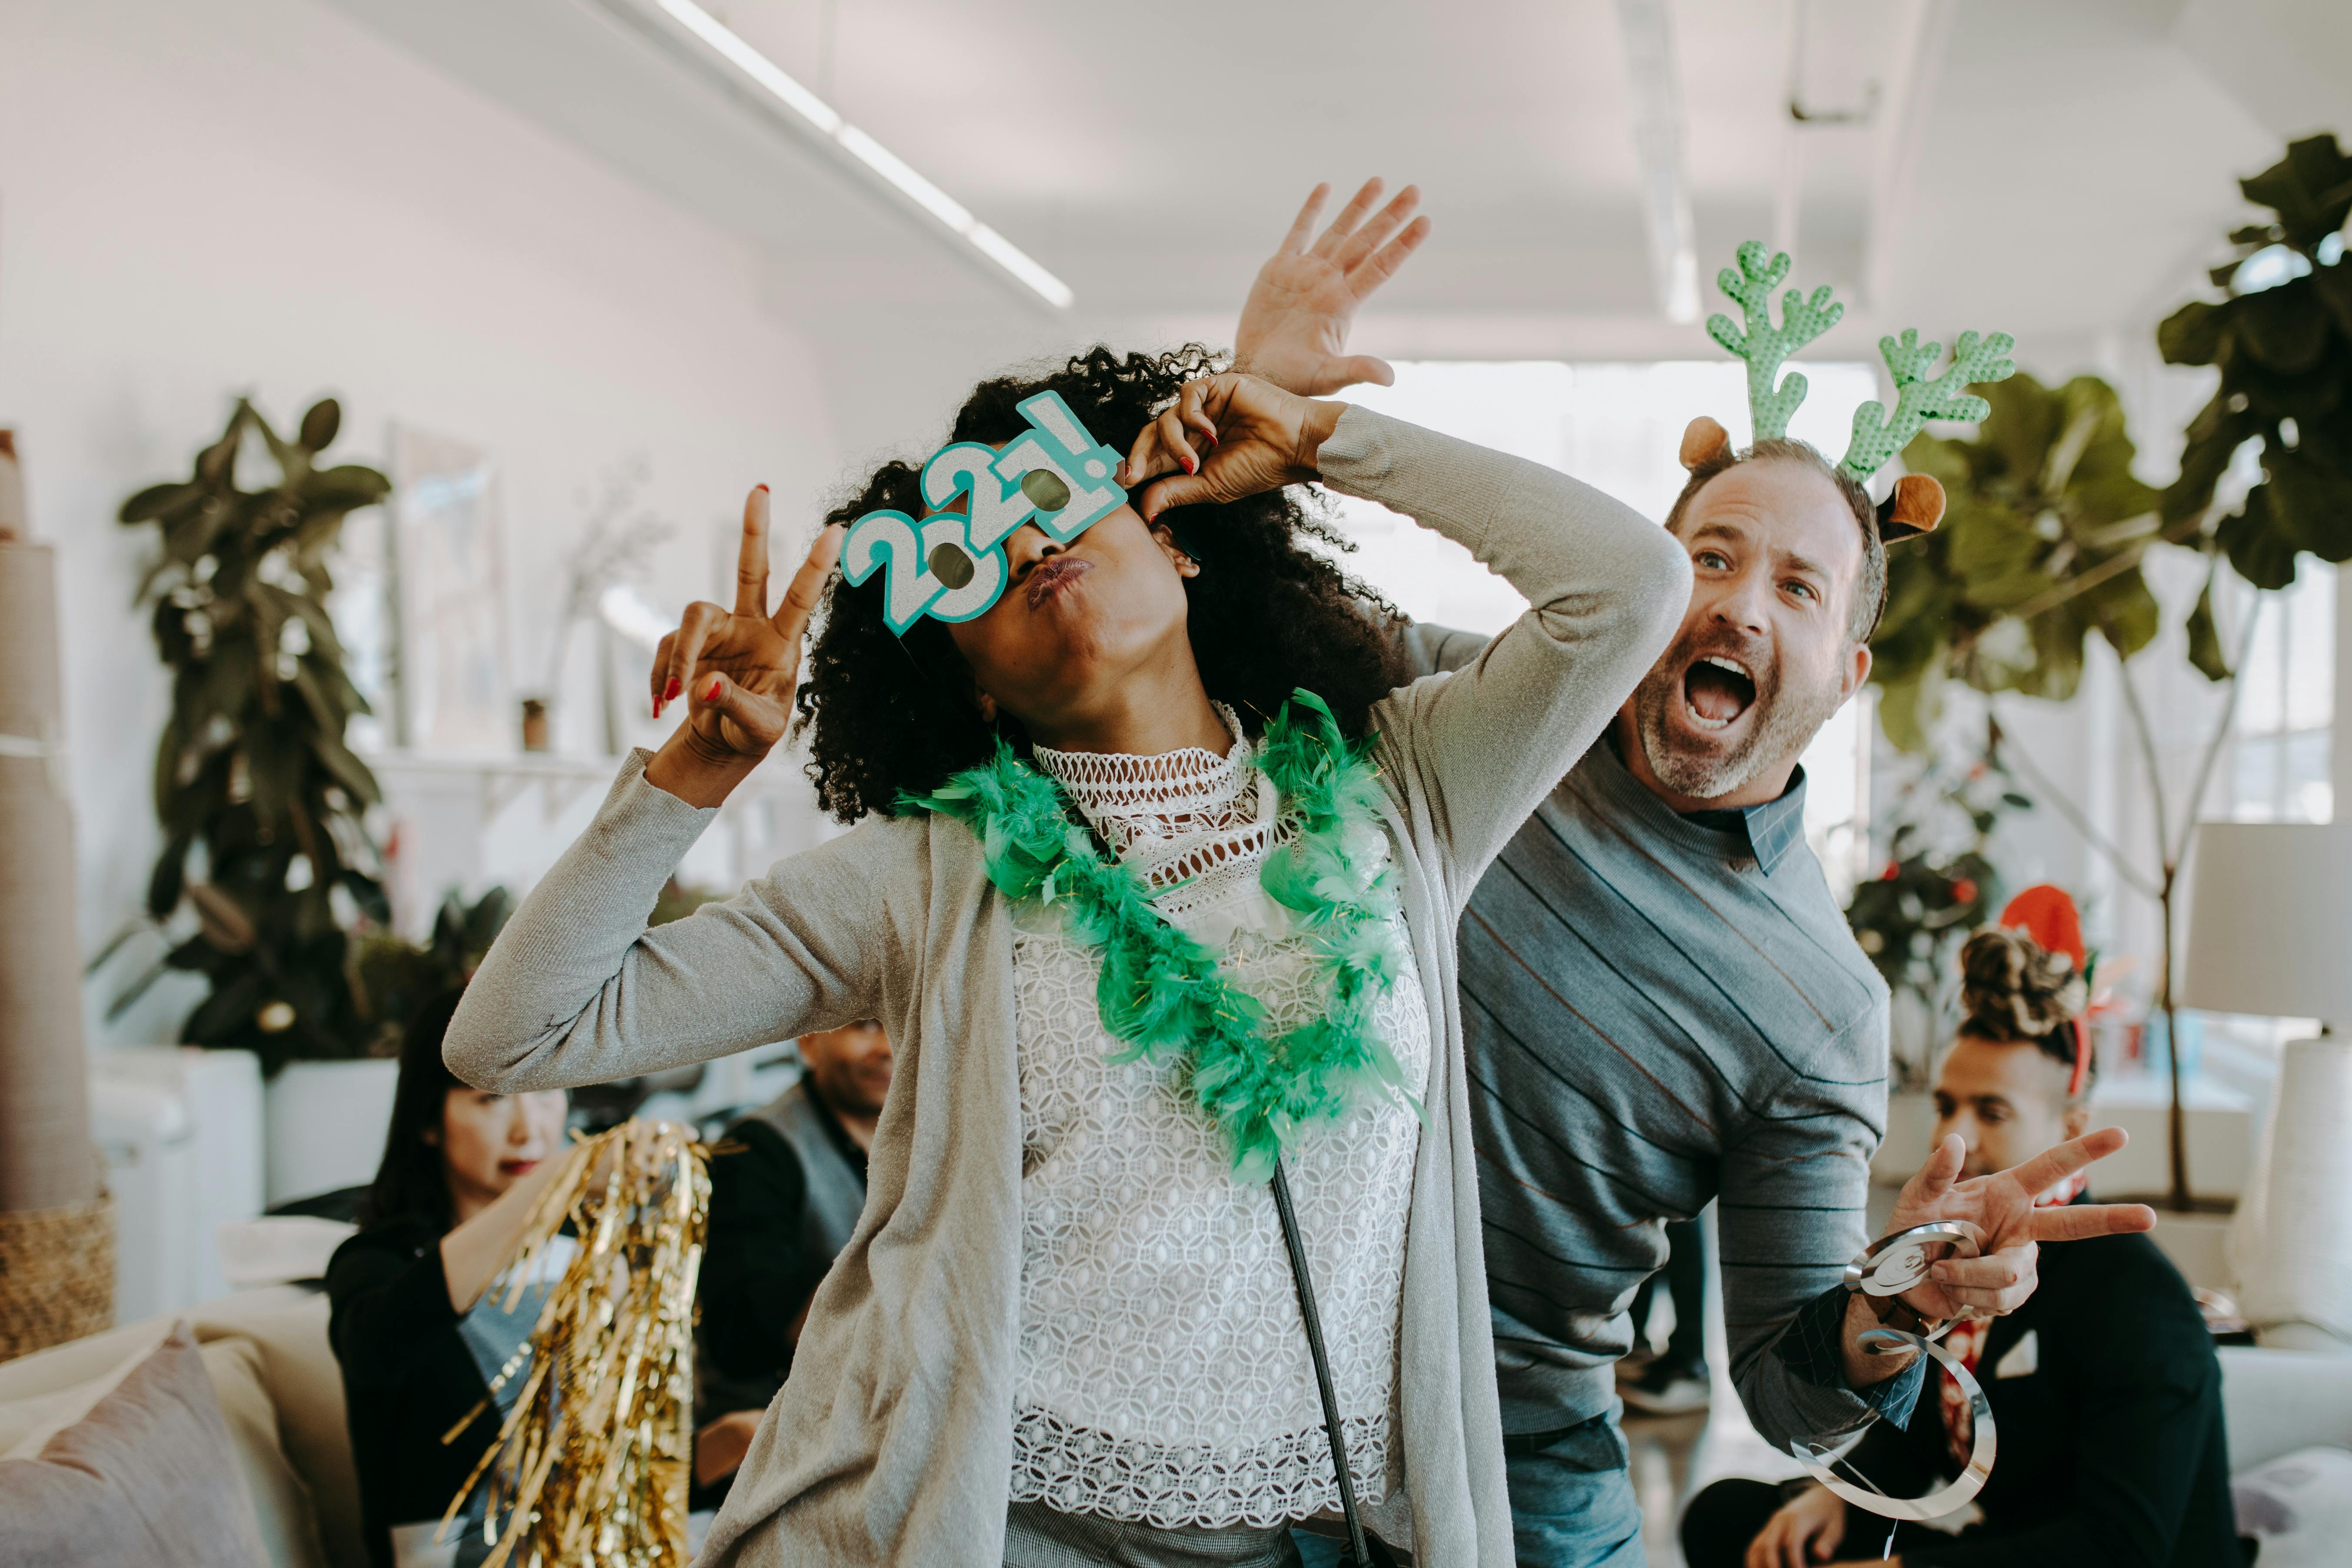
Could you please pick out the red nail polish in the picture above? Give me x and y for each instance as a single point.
(669, 693)
(711, 695)
(1190, 466)
(657, 707)
(762, 488)
(1213, 438)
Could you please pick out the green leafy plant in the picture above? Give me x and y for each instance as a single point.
(2046, 528)
(397, 976)
(2039, 549)
(2282, 338)
(2043, 532)
(259, 800)
(1938, 885)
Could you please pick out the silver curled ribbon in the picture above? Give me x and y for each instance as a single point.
(1889, 1268)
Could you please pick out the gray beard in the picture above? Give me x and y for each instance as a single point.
(1786, 721)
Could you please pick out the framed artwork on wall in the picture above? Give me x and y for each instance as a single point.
(452, 670)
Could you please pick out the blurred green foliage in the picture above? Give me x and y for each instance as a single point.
(2044, 525)
(397, 976)
(2041, 498)
(1938, 883)
(254, 787)
(2283, 341)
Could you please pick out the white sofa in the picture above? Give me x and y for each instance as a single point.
(266, 1354)
(2276, 1402)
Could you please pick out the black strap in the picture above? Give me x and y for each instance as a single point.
(1298, 1274)
(1537, 1442)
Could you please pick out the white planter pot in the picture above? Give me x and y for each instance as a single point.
(327, 1122)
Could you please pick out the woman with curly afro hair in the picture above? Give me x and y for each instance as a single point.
(1153, 886)
(887, 715)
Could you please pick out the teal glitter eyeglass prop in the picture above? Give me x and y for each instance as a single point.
(951, 566)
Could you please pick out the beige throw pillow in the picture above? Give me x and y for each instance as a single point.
(289, 1519)
(145, 1472)
(287, 1327)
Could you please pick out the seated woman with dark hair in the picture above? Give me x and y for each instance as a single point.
(416, 1336)
(2105, 1390)
(1156, 874)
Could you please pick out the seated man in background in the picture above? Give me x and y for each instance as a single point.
(2103, 1387)
(787, 1183)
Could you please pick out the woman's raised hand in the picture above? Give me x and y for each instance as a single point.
(1226, 437)
(736, 669)
(1293, 326)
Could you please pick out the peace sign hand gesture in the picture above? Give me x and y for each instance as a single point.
(1293, 326)
(736, 669)
(2008, 1230)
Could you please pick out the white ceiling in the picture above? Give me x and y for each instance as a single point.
(2053, 168)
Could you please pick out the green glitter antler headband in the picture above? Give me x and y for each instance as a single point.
(1918, 399)
(1917, 503)
(1764, 345)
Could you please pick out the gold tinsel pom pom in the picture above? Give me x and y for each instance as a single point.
(591, 1465)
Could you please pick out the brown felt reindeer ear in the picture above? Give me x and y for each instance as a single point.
(1914, 507)
(1703, 441)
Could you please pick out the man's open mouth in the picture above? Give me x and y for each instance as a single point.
(1716, 689)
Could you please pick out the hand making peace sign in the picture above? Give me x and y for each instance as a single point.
(736, 669)
(2000, 1209)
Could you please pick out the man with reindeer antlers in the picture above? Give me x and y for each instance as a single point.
(1663, 1005)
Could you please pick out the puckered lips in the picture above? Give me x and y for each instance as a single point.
(1051, 575)
(1718, 689)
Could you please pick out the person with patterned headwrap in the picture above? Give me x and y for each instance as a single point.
(2103, 1386)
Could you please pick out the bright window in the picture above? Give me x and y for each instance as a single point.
(1616, 427)
(2286, 706)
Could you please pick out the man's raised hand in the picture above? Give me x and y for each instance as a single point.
(2008, 1230)
(1293, 326)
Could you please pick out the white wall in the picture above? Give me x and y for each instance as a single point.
(204, 197)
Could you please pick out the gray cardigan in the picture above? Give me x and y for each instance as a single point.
(891, 1442)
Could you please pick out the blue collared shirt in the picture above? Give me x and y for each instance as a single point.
(1771, 829)
(1659, 1011)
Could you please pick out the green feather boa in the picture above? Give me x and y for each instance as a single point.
(1165, 994)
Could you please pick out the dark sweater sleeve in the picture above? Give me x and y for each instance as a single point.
(407, 1379)
(756, 1274)
(391, 1323)
(2137, 1364)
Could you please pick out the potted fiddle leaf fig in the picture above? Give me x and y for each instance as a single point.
(2038, 550)
(2046, 528)
(2281, 336)
(259, 800)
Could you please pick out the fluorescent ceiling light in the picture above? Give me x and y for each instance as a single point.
(827, 123)
(1655, 83)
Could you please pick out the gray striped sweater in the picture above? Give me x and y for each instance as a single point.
(1660, 1011)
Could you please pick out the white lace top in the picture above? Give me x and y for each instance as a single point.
(1163, 1373)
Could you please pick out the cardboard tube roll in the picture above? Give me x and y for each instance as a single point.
(45, 1160)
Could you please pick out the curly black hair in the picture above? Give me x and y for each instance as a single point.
(1267, 614)
(2012, 988)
